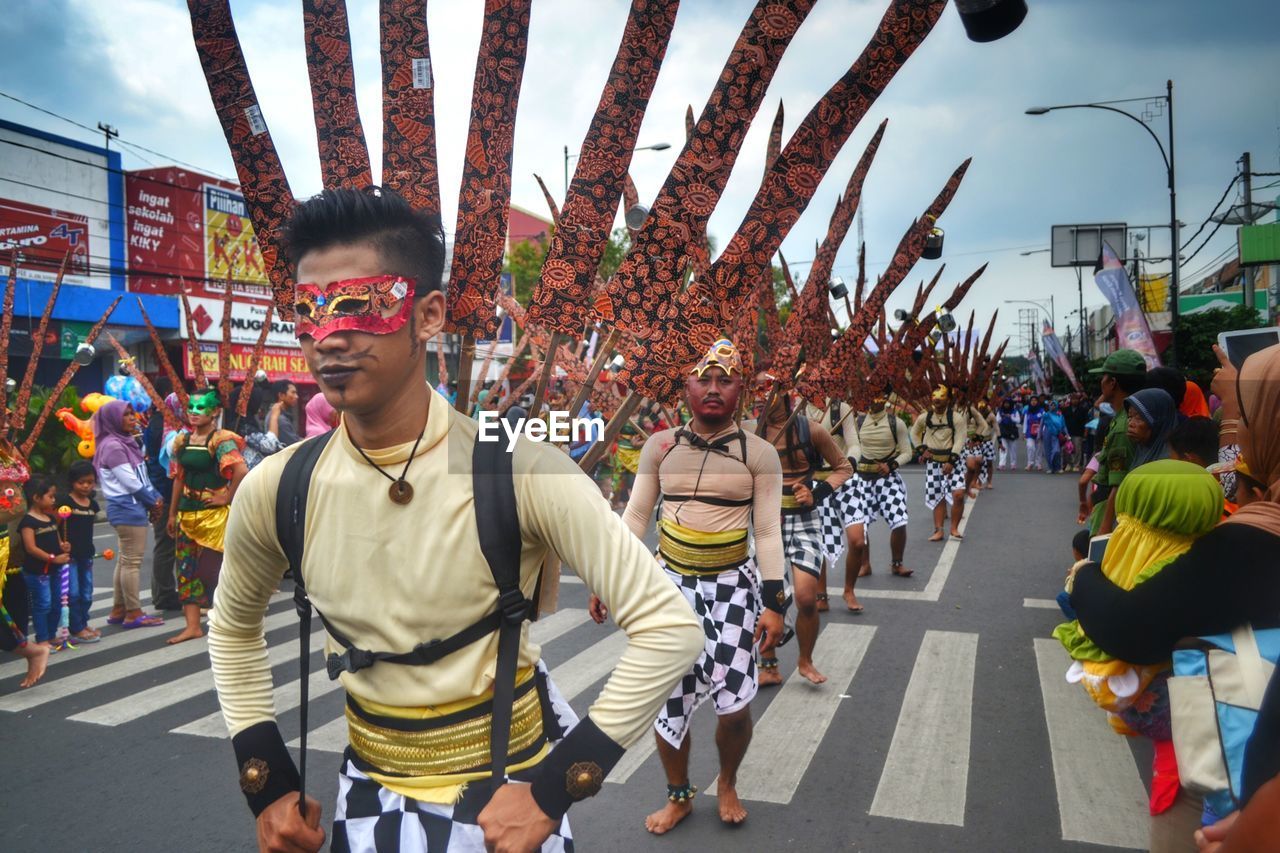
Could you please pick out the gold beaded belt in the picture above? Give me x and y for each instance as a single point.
(696, 552)
(868, 467)
(455, 743)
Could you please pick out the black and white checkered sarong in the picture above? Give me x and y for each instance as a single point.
(371, 819)
(939, 487)
(728, 605)
(885, 497)
(988, 459)
(841, 510)
(802, 540)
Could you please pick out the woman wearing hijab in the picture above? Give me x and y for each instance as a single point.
(1227, 578)
(1053, 427)
(1031, 417)
(1153, 415)
(131, 502)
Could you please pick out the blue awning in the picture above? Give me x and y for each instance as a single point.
(87, 304)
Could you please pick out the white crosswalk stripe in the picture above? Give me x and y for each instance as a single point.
(926, 774)
(924, 777)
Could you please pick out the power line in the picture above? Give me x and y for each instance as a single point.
(148, 178)
(1208, 218)
(95, 132)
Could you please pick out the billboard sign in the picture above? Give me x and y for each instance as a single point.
(44, 236)
(246, 323)
(165, 234)
(278, 363)
(230, 247)
(1080, 245)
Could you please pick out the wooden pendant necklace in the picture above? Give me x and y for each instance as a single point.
(400, 491)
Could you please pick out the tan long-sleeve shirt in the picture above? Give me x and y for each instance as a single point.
(390, 577)
(680, 469)
(874, 438)
(931, 429)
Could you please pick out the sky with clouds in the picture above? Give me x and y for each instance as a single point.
(132, 63)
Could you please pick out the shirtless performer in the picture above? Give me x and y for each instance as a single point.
(714, 479)
(801, 450)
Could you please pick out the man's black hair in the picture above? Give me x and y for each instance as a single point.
(281, 386)
(410, 242)
(1196, 437)
(163, 385)
(80, 469)
(1170, 379)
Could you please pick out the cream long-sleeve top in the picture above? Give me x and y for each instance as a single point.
(931, 430)
(670, 468)
(389, 577)
(874, 440)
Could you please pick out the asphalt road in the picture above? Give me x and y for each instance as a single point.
(947, 724)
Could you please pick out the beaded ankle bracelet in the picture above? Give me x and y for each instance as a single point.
(681, 793)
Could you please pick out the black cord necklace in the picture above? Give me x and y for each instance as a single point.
(400, 492)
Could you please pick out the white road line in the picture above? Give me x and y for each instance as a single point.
(170, 693)
(284, 698)
(789, 732)
(104, 606)
(589, 666)
(926, 773)
(556, 624)
(114, 640)
(1041, 603)
(331, 737)
(1101, 798)
(60, 688)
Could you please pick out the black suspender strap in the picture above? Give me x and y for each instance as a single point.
(291, 517)
(498, 525)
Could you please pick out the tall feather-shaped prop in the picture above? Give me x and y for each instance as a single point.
(131, 367)
(225, 385)
(344, 156)
(255, 359)
(560, 299)
(408, 109)
(262, 179)
(485, 195)
(193, 345)
(826, 380)
(6, 332)
(163, 356)
(63, 382)
(37, 347)
(551, 202)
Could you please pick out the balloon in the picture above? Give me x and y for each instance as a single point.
(94, 401)
(85, 448)
(128, 389)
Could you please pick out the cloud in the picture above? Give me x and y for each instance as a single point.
(132, 63)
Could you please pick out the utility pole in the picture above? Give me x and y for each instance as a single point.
(109, 133)
(1246, 166)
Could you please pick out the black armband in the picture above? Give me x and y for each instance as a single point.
(773, 596)
(574, 769)
(821, 491)
(893, 465)
(267, 771)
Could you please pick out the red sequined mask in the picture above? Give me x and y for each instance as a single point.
(353, 304)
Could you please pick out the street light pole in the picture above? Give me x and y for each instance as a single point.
(657, 146)
(1175, 237)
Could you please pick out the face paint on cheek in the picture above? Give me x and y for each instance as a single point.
(353, 304)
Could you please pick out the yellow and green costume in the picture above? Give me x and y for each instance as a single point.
(206, 471)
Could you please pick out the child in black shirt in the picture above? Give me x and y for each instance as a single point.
(81, 482)
(44, 555)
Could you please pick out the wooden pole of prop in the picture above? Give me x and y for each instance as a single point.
(466, 355)
(625, 410)
(544, 378)
(605, 348)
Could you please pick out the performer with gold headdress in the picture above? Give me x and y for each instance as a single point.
(716, 480)
(942, 430)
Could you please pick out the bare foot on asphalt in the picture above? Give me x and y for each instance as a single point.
(188, 634)
(851, 601)
(936, 537)
(864, 571)
(731, 810)
(809, 671)
(665, 819)
(37, 660)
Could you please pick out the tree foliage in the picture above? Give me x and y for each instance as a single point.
(1197, 333)
(55, 449)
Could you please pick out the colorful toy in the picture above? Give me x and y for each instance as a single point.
(63, 637)
(82, 428)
